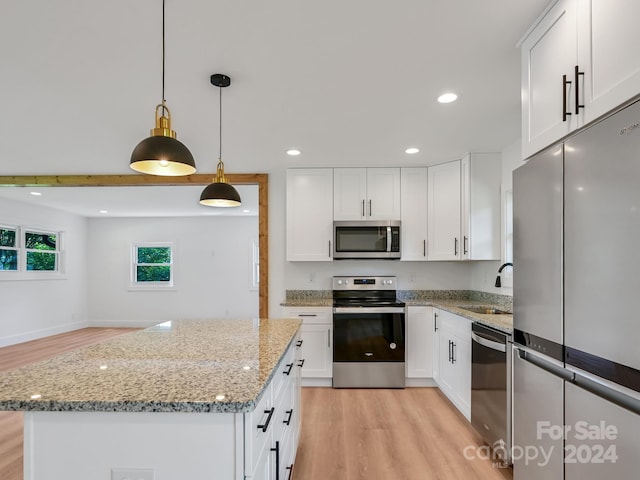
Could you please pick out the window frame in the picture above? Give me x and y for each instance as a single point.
(15, 247)
(136, 285)
(22, 273)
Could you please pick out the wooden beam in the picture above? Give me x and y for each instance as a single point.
(260, 179)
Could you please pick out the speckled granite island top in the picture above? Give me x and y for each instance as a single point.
(177, 366)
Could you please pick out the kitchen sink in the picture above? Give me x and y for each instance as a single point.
(484, 310)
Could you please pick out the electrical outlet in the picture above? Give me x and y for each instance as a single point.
(133, 474)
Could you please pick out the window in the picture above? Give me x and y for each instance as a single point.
(42, 251)
(28, 253)
(152, 265)
(8, 249)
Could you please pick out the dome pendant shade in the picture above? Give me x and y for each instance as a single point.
(161, 153)
(220, 193)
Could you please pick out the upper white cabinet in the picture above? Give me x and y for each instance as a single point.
(366, 194)
(443, 211)
(309, 214)
(414, 213)
(464, 208)
(481, 219)
(578, 62)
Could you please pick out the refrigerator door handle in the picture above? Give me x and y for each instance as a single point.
(546, 365)
(614, 396)
(607, 393)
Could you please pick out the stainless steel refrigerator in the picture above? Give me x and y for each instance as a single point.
(576, 354)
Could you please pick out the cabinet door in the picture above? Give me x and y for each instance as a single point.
(549, 52)
(309, 214)
(419, 342)
(436, 345)
(383, 194)
(316, 351)
(446, 370)
(443, 212)
(481, 214)
(349, 194)
(462, 365)
(413, 215)
(608, 39)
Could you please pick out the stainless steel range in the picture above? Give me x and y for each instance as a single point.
(368, 333)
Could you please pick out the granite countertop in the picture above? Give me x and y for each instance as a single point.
(449, 300)
(177, 366)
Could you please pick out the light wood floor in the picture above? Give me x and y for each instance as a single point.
(14, 356)
(410, 434)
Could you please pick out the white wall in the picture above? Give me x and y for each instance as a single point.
(37, 308)
(212, 269)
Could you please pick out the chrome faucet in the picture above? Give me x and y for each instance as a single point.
(498, 282)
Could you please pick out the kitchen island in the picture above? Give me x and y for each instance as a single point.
(201, 399)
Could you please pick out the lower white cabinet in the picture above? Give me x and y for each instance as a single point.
(316, 334)
(452, 358)
(419, 342)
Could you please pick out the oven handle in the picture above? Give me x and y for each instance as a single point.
(501, 347)
(358, 310)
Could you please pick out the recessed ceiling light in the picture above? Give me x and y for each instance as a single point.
(246, 211)
(104, 211)
(412, 150)
(447, 98)
(36, 194)
(294, 152)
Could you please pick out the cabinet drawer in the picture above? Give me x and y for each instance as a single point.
(259, 430)
(285, 371)
(314, 315)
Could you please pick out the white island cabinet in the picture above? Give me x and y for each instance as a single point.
(215, 399)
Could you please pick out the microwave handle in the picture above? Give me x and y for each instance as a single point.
(388, 239)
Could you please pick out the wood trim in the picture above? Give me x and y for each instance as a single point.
(260, 179)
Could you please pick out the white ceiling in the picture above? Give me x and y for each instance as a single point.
(348, 82)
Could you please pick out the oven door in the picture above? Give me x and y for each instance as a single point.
(363, 334)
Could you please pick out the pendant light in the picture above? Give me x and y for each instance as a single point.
(161, 153)
(220, 193)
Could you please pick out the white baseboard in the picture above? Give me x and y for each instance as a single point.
(123, 323)
(420, 382)
(41, 333)
(317, 382)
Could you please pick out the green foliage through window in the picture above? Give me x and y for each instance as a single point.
(9, 254)
(41, 251)
(153, 264)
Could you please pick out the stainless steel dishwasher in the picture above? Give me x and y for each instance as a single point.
(491, 388)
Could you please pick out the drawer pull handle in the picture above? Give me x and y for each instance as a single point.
(277, 450)
(265, 425)
(288, 420)
(288, 370)
(301, 363)
(290, 468)
(299, 343)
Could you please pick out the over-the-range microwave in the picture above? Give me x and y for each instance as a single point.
(366, 239)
